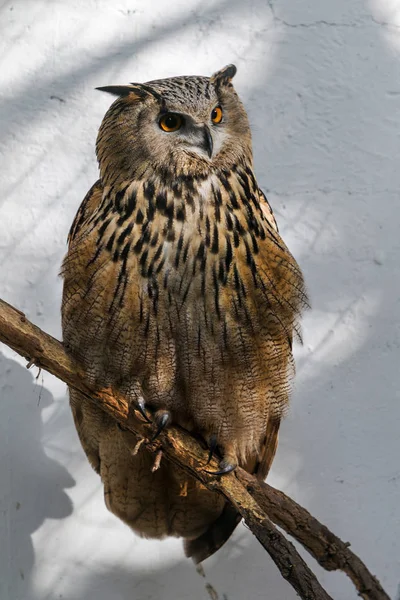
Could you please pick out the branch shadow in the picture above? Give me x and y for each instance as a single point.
(33, 485)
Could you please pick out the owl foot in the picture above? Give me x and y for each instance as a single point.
(226, 464)
(162, 418)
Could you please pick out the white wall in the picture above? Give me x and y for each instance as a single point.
(320, 80)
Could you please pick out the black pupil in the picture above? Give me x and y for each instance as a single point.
(171, 121)
(214, 114)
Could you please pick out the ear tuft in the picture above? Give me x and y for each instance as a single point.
(120, 90)
(224, 76)
(138, 91)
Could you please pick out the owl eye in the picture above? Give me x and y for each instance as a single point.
(216, 115)
(171, 122)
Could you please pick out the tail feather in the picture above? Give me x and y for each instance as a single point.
(268, 452)
(216, 535)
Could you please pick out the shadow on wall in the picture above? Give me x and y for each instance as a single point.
(241, 577)
(32, 484)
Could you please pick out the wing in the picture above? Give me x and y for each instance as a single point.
(263, 465)
(267, 210)
(89, 204)
(88, 435)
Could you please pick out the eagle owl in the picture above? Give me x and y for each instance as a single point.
(180, 294)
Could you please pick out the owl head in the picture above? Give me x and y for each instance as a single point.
(172, 127)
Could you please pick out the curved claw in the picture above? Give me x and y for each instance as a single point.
(224, 469)
(162, 418)
(141, 407)
(212, 448)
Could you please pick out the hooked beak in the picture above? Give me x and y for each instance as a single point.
(207, 144)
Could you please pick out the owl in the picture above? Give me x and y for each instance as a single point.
(179, 294)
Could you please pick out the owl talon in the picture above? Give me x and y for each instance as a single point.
(212, 448)
(225, 468)
(162, 418)
(141, 407)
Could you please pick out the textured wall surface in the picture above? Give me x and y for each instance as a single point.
(320, 80)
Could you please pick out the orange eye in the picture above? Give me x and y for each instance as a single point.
(216, 115)
(170, 122)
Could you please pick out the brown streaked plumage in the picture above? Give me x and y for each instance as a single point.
(180, 294)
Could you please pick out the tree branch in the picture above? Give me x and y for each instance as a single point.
(258, 503)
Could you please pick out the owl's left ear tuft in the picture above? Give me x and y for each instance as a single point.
(138, 91)
(224, 76)
(120, 90)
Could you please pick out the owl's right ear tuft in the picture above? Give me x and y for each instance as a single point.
(224, 76)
